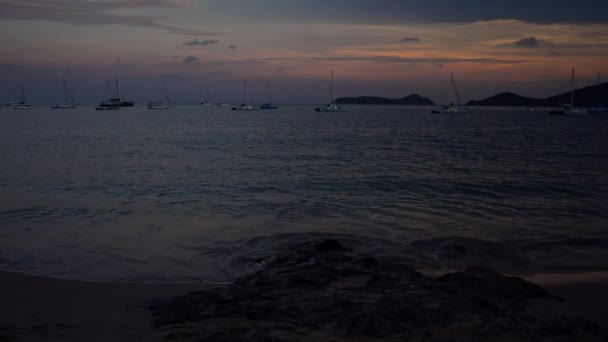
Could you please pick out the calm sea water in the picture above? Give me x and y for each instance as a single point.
(139, 195)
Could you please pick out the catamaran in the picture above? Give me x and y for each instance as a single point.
(332, 107)
(160, 104)
(246, 105)
(451, 108)
(22, 104)
(569, 109)
(110, 103)
(117, 100)
(66, 95)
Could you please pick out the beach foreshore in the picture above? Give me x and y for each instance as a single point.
(46, 309)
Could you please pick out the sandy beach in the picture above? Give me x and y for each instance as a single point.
(45, 309)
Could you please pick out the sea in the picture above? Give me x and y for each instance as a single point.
(198, 193)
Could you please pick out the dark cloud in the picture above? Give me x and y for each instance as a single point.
(94, 12)
(529, 42)
(410, 40)
(233, 47)
(536, 43)
(403, 11)
(197, 42)
(190, 59)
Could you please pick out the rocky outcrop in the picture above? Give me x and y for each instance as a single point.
(323, 291)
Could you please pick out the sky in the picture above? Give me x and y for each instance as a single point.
(203, 49)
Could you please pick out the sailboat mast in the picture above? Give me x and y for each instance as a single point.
(65, 90)
(166, 93)
(118, 90)
(331, 88)
(269, 93)
(455, 89)
(72, 102)
(600, 100)
(573, 84)
(246, 93)
(109, 89)
(22, 94)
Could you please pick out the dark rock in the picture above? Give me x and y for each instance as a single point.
(324, 291)
(329, 246)
(179, 335)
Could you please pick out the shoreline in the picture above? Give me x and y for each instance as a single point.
(46, 309)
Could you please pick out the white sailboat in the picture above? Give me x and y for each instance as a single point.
(246, 105)
(601, 106)
(68, 100)
(569, 109)
(451, 108)
(332, 107)
(160, 104)
(207, 102)
(22, 104)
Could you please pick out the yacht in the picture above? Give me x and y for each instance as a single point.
(601, 108)
(110, 103)
(569, 109)
(207, 102)
(160, 104)
(269, 105)
(451, 108)
(22, 104)
(332, 107)
(66, 95)
(246, 105)
(117, 100)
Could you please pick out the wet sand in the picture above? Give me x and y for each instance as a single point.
(584, 300)
(44, 309)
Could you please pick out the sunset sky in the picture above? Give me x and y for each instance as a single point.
(386, 48)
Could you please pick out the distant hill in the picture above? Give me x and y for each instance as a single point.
(408, 100)
(596, 95)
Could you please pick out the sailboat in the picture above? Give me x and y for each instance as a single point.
(66, 95)
(22, 104)
(601, 108)
(246, 105)
(569, 109)
(451, 108)
(332, 107)
(106, 104)
(160, 104)
(207, 102)
(269, 105)
(117, 101)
